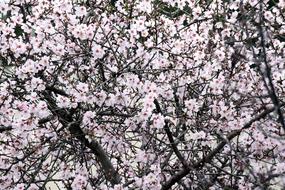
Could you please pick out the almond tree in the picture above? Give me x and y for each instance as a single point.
(149, 94)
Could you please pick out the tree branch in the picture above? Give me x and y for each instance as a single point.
(41, 122)
(4, 128)
(270, 87)
(198, 165)
(170, 138)
(67, 121)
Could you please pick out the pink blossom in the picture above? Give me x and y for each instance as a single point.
(97, 51)
(80, 11)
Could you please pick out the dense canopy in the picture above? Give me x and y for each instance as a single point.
(142, 94)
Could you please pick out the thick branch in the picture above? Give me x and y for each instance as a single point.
(271, 89)
(198, 165)
(41, 122)
(109, 171)
(66, 120)
(57, 91)
(170, 138)
(4, 128)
